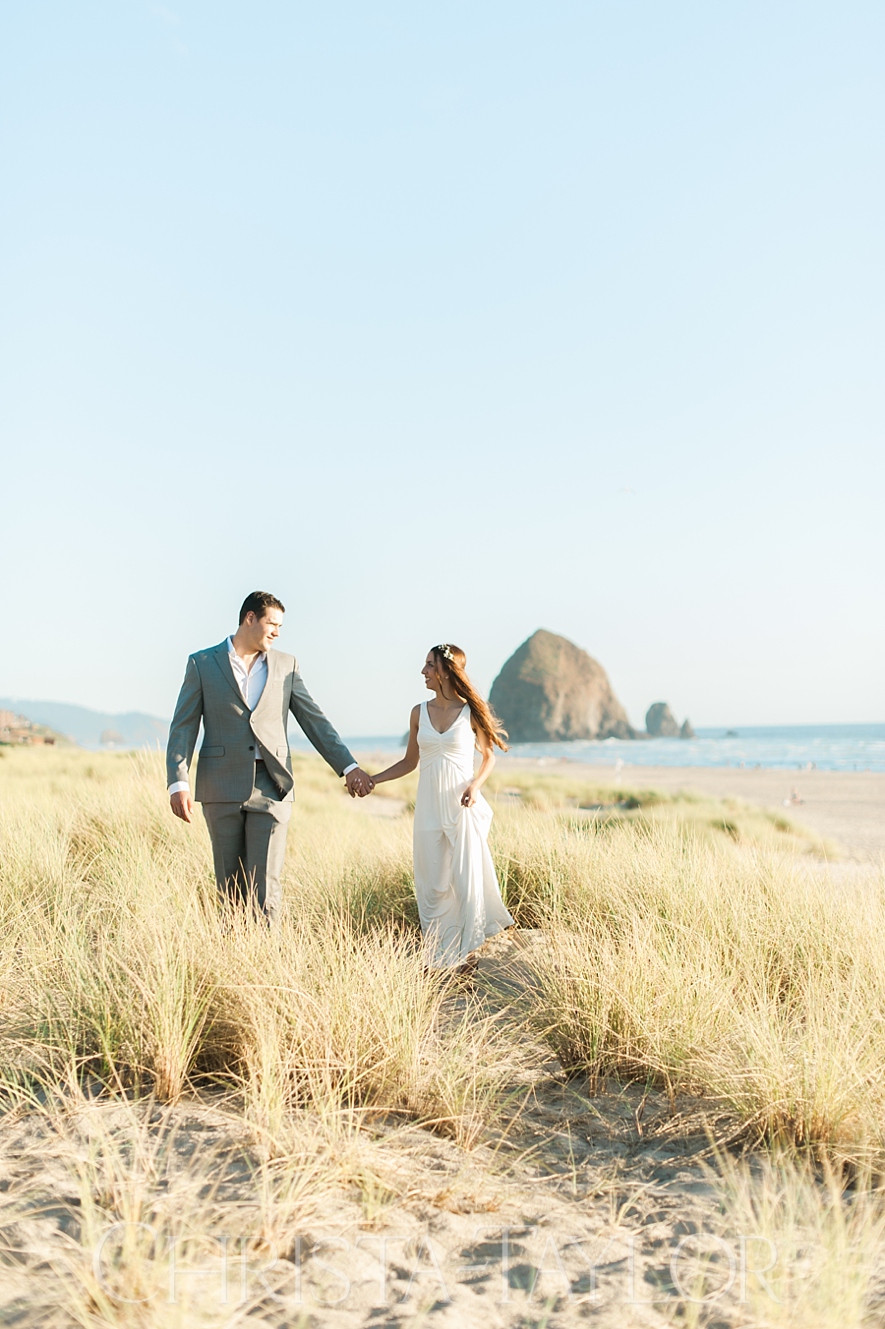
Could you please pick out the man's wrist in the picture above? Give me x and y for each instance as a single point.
(354, 766)
(180, 787)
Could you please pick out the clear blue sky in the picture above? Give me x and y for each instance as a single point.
(446, 322)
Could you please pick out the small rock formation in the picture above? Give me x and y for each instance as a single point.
(686, 731)
(551, 691)
(660, 721)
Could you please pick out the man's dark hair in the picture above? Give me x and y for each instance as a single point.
(258, 603)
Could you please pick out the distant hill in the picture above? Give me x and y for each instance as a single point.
(133, 729)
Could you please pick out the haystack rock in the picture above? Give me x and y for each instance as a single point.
(686, 731)
(660, 721)
(550, 690)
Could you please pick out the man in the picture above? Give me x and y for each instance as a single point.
(243, 692)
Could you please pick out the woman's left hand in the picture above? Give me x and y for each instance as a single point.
(468, 798)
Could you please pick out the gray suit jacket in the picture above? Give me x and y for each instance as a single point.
(234, 736)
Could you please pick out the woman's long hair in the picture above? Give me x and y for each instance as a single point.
(450, 661)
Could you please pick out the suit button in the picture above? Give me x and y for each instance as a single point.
(251, 747)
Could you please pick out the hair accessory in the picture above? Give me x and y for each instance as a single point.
(445, 651)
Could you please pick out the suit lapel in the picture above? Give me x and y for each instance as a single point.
(222, 659)
(272, 665)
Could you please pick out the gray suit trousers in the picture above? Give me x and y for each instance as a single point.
(249, 846)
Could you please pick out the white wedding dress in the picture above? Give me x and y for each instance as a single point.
(459, 900)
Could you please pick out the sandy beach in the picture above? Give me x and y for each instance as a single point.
(846, 807)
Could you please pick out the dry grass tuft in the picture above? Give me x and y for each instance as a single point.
(741, 975)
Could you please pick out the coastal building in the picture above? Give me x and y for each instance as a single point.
(19, 729)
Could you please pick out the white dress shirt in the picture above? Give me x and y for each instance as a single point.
(251, 683)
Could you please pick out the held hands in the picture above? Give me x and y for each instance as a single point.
(182, 804)
(359, 783)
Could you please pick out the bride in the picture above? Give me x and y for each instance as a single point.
(459, 900)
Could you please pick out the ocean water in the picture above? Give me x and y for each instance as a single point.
(829, 747)
(832, 747)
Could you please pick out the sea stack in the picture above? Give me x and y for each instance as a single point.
(552, 691)
(660, 721)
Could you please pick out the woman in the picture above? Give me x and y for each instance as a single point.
(459, 901)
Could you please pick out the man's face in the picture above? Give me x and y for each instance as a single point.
(263, 632)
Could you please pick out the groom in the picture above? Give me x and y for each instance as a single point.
(243, 692)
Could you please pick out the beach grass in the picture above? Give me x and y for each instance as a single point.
(705, 962)
(116, 971)
(742, 976)
(814, 1235)
(709, 965)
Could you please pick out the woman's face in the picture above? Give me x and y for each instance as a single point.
(432, 679)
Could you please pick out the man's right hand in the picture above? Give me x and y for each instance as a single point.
(359, 783)
(182, 804)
